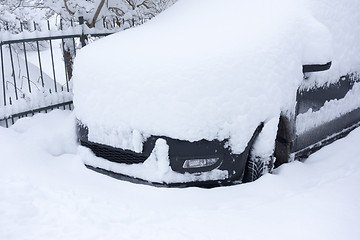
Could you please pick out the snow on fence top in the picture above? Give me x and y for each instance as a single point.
(77, 30)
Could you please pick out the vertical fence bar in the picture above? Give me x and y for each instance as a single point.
(12, 118)
(13, 72)
(26, 62)
(74, 46)
(73, 39)
(2, 73)
(82, 37)
(65, 58)
(3, 80)
(52, 59)
(39, 58)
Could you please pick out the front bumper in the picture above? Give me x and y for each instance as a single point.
(180, 153)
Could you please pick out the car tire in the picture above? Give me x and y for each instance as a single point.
(260, 159)
(257, 166)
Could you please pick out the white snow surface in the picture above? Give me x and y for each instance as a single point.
(47, 193)
(207, 69)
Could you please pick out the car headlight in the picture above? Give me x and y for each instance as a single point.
(199, 163)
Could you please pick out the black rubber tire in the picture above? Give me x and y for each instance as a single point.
(256, 167)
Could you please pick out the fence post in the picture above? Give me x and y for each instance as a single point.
(83, 38)
(2, 72)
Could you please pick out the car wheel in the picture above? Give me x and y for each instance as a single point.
(260, 159)
(257, 166)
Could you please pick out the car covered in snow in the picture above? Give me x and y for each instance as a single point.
(219, 92)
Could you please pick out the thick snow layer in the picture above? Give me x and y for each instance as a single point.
(35, 100)
(342, 19)
(188, 75)
(264, 144)
(331, 110)
(47, 193)
(209, 69)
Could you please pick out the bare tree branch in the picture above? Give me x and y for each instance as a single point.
(68, 9)
(98, 10)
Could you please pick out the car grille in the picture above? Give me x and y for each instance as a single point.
(114, 154)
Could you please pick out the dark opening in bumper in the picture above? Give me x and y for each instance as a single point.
(180, 151)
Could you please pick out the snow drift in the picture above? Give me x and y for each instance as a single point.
(47, 193)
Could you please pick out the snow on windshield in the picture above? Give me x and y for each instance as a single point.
(205, 69)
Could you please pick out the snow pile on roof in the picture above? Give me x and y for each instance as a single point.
(205, 69)
(342, 19)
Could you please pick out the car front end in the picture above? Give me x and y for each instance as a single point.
(164, 161)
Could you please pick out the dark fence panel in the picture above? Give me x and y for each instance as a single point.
(26, 88)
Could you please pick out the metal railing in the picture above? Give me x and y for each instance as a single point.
(26, 87)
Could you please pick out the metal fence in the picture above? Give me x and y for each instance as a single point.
(26, 86)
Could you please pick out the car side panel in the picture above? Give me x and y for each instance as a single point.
(314, 99)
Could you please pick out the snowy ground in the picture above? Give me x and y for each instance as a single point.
(47, 193)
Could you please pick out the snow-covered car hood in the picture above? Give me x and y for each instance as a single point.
(205, 69)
